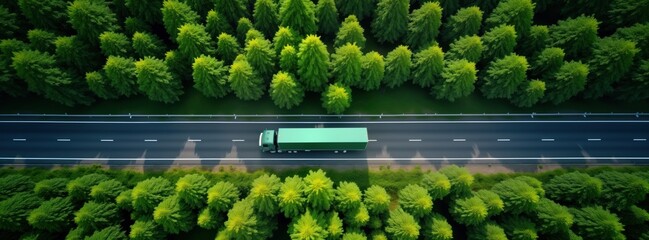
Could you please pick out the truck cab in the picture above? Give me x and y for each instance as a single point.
(267, 141)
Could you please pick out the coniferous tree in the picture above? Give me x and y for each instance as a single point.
(146, 44)
(147, 194)
(494, 204)
(8, 23)
(264, 194)
(209, 219)
(222, 196)
(176, 14)
(390, 23)
(470, 211)
(336, 98)
(449, 6)
(124, 200)
(415, 200)
(402, 225)
(357, 217)
(499, 42)
(377, 200)
(359, 8)
(298, 15)
(74, 55)
(95, 215)
(597, 223)
(45, 14)
(114, 44)
(291, 196)
(50, 188)
(120, 73)
(423, 25)
(547, 63)
(350, 32)
(537, 39)
(611, 60)
(261, 57)
(398, 65)
(313, 63)
(155, 80)
(461, 180)
(319, 190)
(15, 210)
(639, 34)
(147, 10)
(210, 76)
(621, 190)
(518, 196)
(427, 67)
(532, 92)
(266, 18)
(191, 190)
(243, 223)
(519, 228)
(90, 19)
(285, 91)
(194, 41)
(466, 47)
(200, 6)
(244, 82)
(233, 10)
(14, 184)
(111, 232)
(243, 26)
(373, 71)
(346, 64)
(466, 21)
(106, 191)
(574, 188)
(517, 13)
(335, 225)
(10, 84)
(637, 87)
(437, 184)
(307, 227)
(173, 216)
(285, 36)
(437, 228)
(569, 80)
(41, 40)
(145, 229)
(53, 215)
(505, 77)
(488, 230)
(133, 25)
(626, 12)
(348, 196)
(288, 60)
(552, 218)
(79, 188)
(227, 48)
(327, 16)
(215, 24)
(575, 36)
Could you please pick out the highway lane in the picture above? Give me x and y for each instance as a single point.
(407, 142)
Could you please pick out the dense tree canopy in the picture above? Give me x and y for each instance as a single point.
(610, 60)
(244, 81)
(53, 215)
(210, 76)
(427, 67)
(114, 44)
(266, 17)
(575, 36)
(346, 64)
(569, 80)
(176, 14)
(326, 14)
(466, 47)
(336, 98)
(95, 215)
(173, 216)
(227, 48)
(597, 222)
(373, 71)
(298, 15)
(351, 31)
(147, 194)
(90, 19)
(517, 13)
(398, 65)
(46, 189)
(391, 20)
(423, 25)
(285, 91)
(402, 225)
(313, 63)
(466, 21)
(155, 80)
(518, 196)
(574, 188)
(469, 211)
(505, 76)
(499, 42)
(415, 200)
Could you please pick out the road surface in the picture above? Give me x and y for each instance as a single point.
(213, 143)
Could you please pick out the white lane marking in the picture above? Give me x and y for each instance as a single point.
(459, 140)
(335, 159)
(594, 139)
(321, 122)
(106, 140)
(547, 140)
(63, 140)
(238, 140)
(194, 140)
(150, 140)
(503, 140)
(639, 139)
(371, 140)
(19, 140)
(414, 140)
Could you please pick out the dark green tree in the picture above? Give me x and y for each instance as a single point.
(327, 15)
(360, 8)
(499, 42)
(173, 216)
(461, 180)
(244, 81)
(124, 200)
(348, 196)
(373, 71)
(402, 225)
(285, 36)
(210, 76)
(313, 63)
(114, 44)
(107, 191)
(437, 184)
(261, 57)
(469, 211)
(291, 196)
(209, 219)
(49, 188)
(90, 19)
(95, 216)
(8, 23)
(176, 14)
(79, 188)
(597, 223)
(519, 228)
(13, 184)
(427, 67)
(146, 10)
(307, 227)
(530, 93)
(505, 77)
(298, 15)
(466, 21)
(41, 40)
(191, 190)
(146, 230)
(285, 91)
(264, 194)
(243, 223)
(194, 41)
(552, 218)
(10, 84)
(637, 87)
(436, 227)
(423, 25)
(215, 24)
(398, 65)
(222, 196)
(569, 80)
(147, 194)
(112, 232)
(15, 210)
(415, 200)
(266, 17)
(529, 45)
(75, 55)
(575, 36)
(120, 73)
(200, 6)
(227, 48)
(233, 10)
(626, 12)
(611, 59)
(146, 44)
(336, 98)
(390, 22)
(638, 33)
(156, 82)
(517, 13)
(45, 14)
(133, 25)
(243, 26)
(53, 215)
(288, 60)
(574, 188)
(622, 190)
(466, 47)
(350, 32)
(489, 230)
(357, 217)
(346, 64)
(494, 204)
(547, 63)
(377, 200)
(518, 196)
(319, 190)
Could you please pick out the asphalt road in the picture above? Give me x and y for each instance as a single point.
(391, 142)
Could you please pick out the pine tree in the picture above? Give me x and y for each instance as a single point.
(373, 71)
(518, 196)
(246, 84)
(414, 199)
(147, 194)
(313, 63)
(517, 227)
(146, 44)
(499, 42)
(53, 215)
(348, 196)
(574, 188)
(437, 228)
(319, 190)
(261, 57)
(427, 67)
(377, 200)
(611, 60)
(99, 85)
(423, 25)
(217, 24)
(50, 188)
(288, 60)
(222, 196)
(505, 77)
(146, 10)
(284, 36)
(95, 216)
(146, 230)
(114, 44)
(470, 211)
(359, 8)
(437, 184)
(346, 64)
(466, 47)
(575, 36)
(552, 218)
(547, 63)
(532, 92)
(233, 10)
(291, 196)
(90, 19)
(307, 227)
(45, 14)
(191, 190)
(173, 216)
(537, 39)
(155, 80)
(391, 21)
(517, 13)
(107, 191)
(243, 26)
(488, 230)
(336, 98)
(284, 91)
(597, 223)
(298, 15)
(74, 55)
(176, 14)
(398, 65)
(350, 32)
(621, 190)
(210, 76)
(569, 80)
(120, 73)
(266, 18)
(459, 80)
(466, 21)
(41, 40)
(15, 210)
(327, 16)
(402, 225)
(626, 13)
(111, 232)
(461, 180)
(79, 188)
(264, 194)
(494, 204)
(227, 48)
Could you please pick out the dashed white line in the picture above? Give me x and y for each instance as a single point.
(19, 139)
(639, 139)
(594, 139)
(459, 140)
(504, 140)
(193, 140)
(63, 140)
(547, 140)
(414, 140)
(371, 140)
(150, 140)
(106, 140)
(238, 140)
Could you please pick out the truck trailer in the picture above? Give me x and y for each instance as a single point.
(313, 139)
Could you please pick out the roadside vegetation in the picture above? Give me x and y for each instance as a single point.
(451, 203)
(323, 54)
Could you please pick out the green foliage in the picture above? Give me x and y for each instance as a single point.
(146, 10)
(285, 91)
(233, 10)
(8, 23)
(242, 222)
(575, 36)
(222, 196)
(505, 77)
(519, 228)
(124, 200)
(114, 44)
(209, 219)
(517, 13)
(437, 184)
(53, 215)
(146, 44)
(334, 225)
(106, 191)
(210, 76)
(336, 98)
(45, 14)
(264, 194)
(216, 24)
(466, 47)
(398, 66)
(461, 180)
(351, 31)
(357, 217)
(487, 231)
(532, 92)
(243, 26)
(155, 80)
(574, 188)
(348, 196)
(377, 200)
(390, 22)
(547, 63)
(291, 196)
(176, 14)
(194, 41)
(359, 8)
(112, 232)
(536, 40)
(415, 200)
(637, 87)
(346, 64)
(9, 83)
(200, 6)
(254, 34)
(288, 59)
(90, 19)
(569, 80)
(13, 184)
(597, 223)
(313, 63)
(427, 67)
(373, 71)
(327, 15)
(306, 227)
(402, 225)
(46, 189)
(638, 33)
(283, 37)
(79, 188)
(354, 236)
(466, 22)
(494, 204)
(319, 190)
(120, 73)
(244, 82)
(227, 48)
(552, 218)
(173, 216)
(192, 190)
(147, 194)
(133, 25)
(74, 55)
(261, 57)
(266, 18)
(610, 61)
(459, 78)
(95, 215)
(469, 211)
(15, 210)
(622, 190)
(423, 25)
(437, 228)
(298, 15)
(499, 42)
(41, 40)
(627, 12)
(518, 196)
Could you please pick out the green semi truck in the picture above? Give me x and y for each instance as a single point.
(313, 139)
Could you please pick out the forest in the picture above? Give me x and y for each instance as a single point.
(522, 51)
(451, 203)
